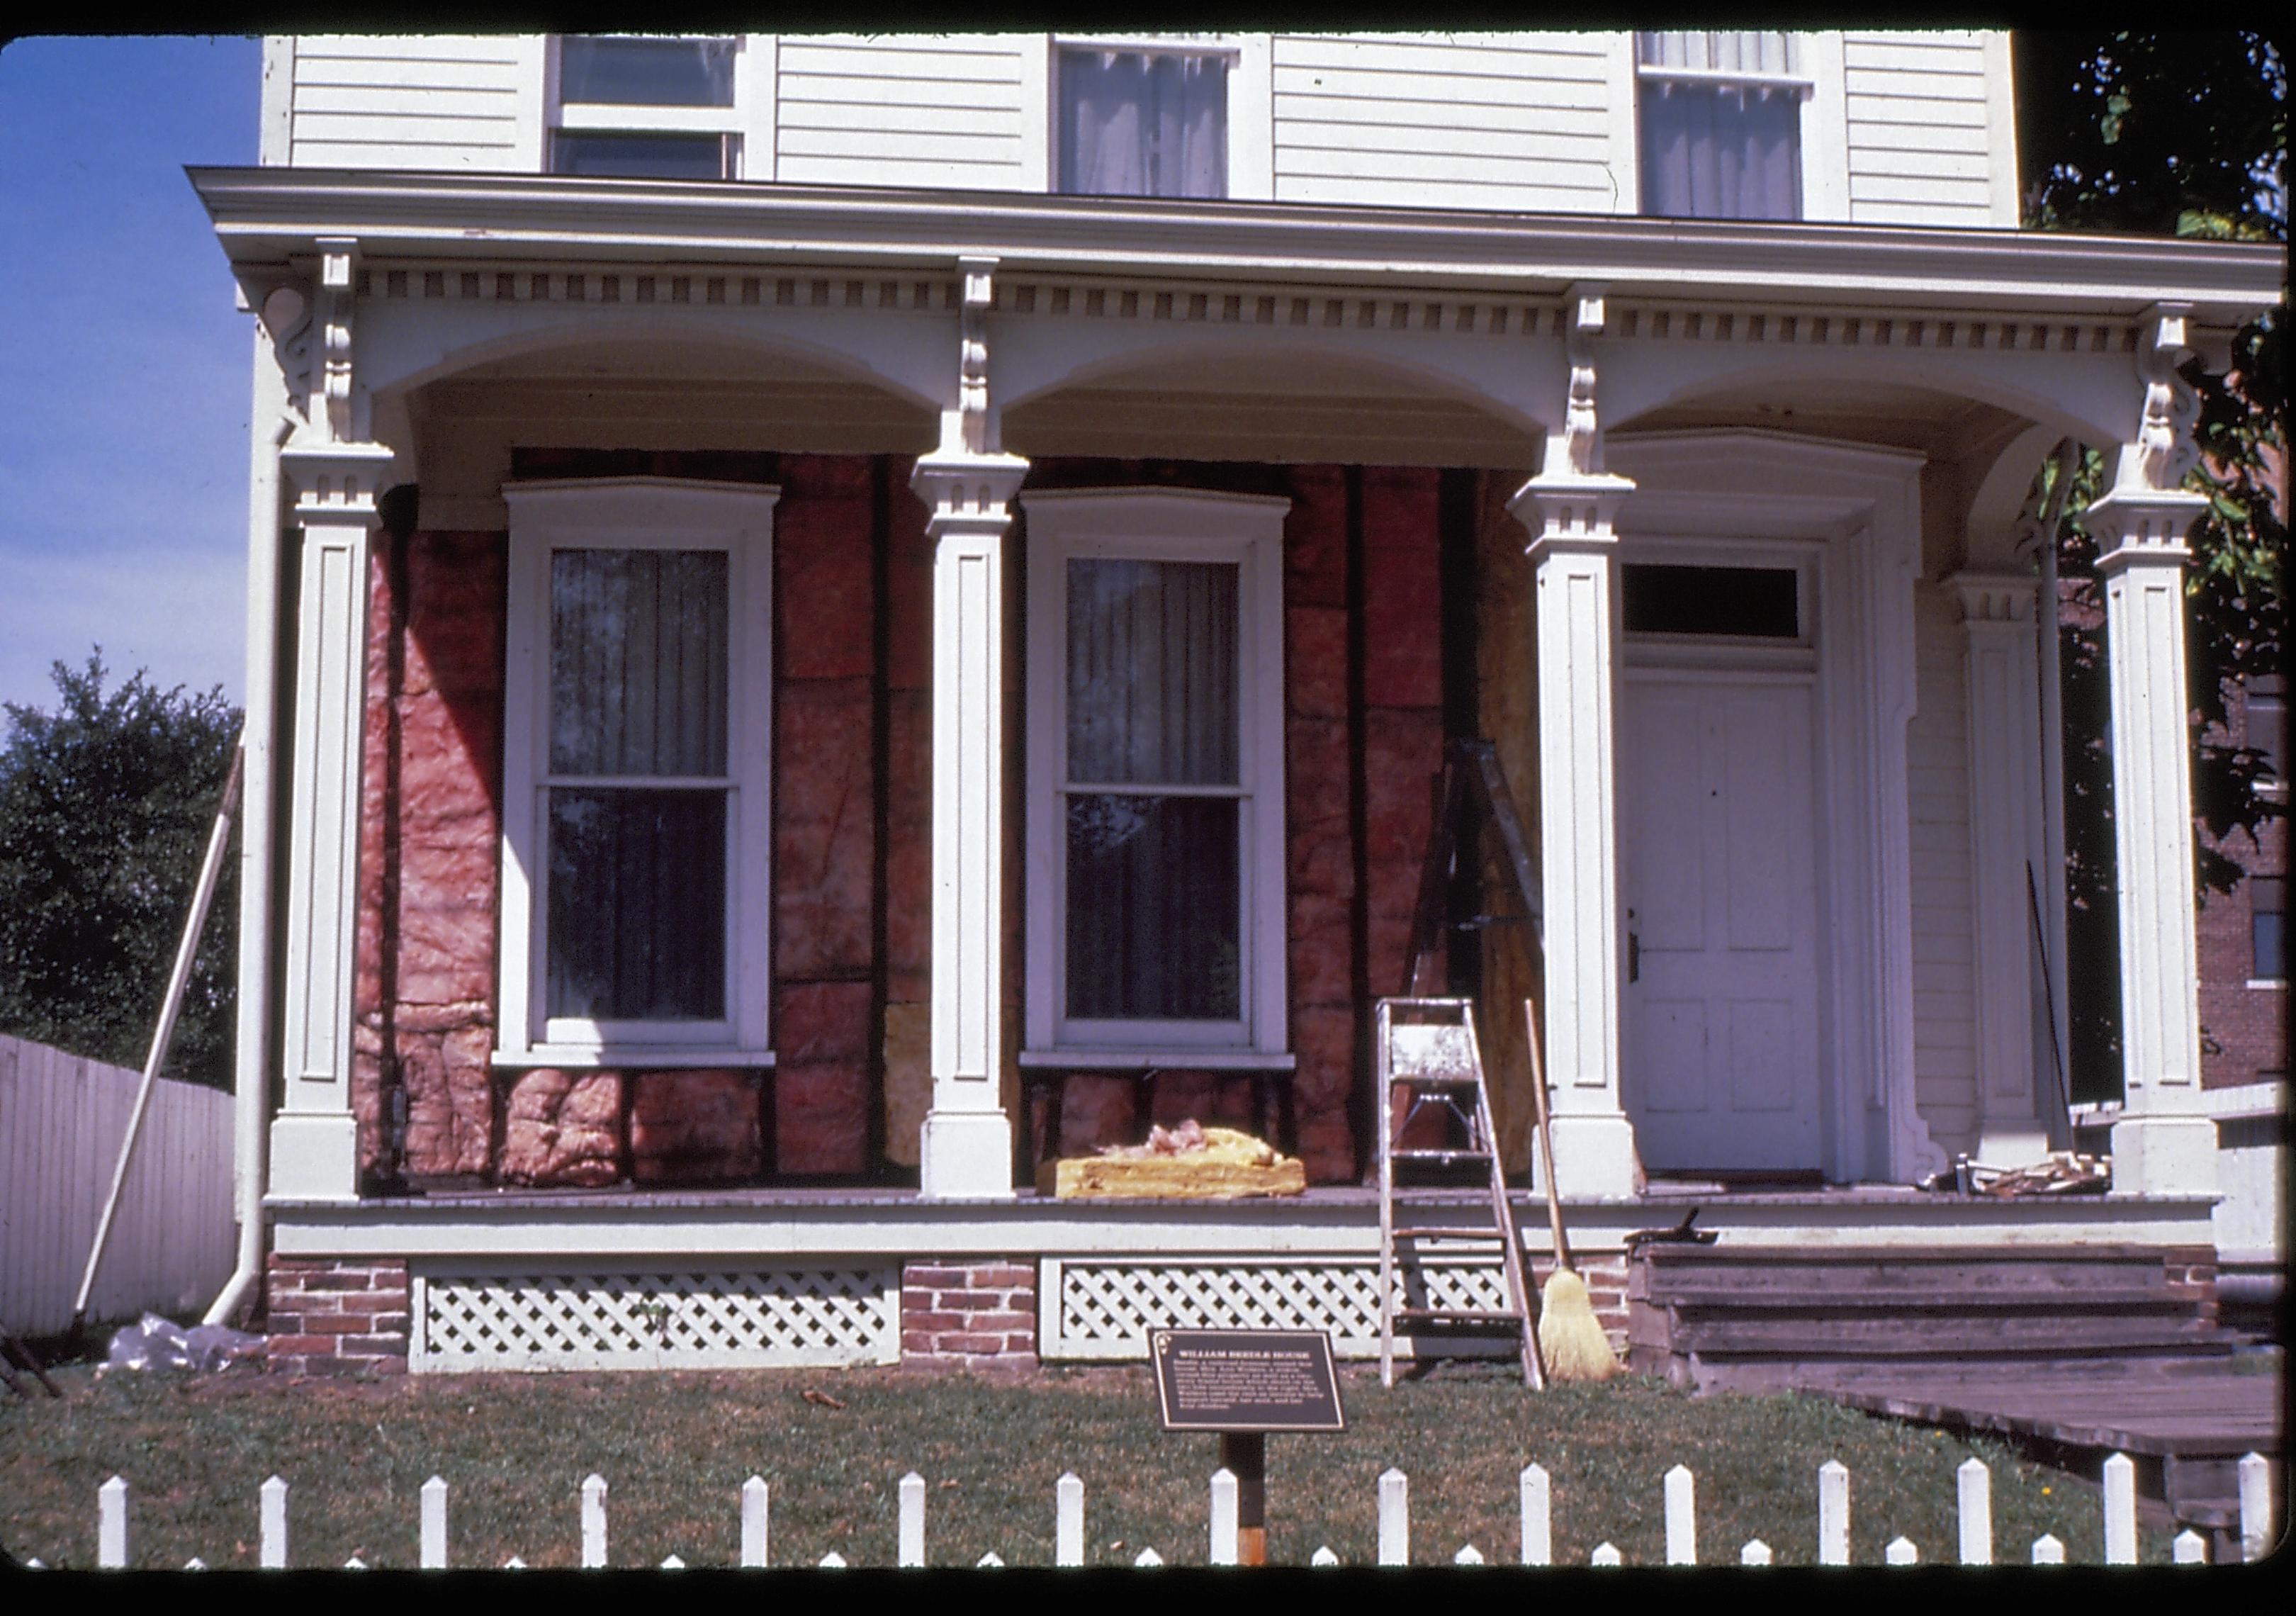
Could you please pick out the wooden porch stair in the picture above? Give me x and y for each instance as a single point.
(2074, 1352)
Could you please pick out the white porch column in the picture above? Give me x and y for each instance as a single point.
(313, 1139)
(2005, 843)
(1573, 550)
(966, 1149)
(2163, 1143)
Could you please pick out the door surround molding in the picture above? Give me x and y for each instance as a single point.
(1856, 511)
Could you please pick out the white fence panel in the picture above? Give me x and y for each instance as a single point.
(62, 1122)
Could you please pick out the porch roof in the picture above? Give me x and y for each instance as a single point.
(266, 216)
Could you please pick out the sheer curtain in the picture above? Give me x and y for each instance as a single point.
(1153, 894)
(638, 683)
(1720, 151)
(1135, 125)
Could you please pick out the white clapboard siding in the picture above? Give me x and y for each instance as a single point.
(62, 1122)
(899, 111)
(1944, 921)
(414, 102)
(1503, 122)
(1912, 103)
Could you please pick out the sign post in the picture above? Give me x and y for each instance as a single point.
(1244, 1383)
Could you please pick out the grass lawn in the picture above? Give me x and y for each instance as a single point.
(675, 1449)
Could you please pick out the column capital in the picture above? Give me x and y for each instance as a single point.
(1994, 597)
(1569, 511)
(2143, 527)
(968, 492)
(336, 484)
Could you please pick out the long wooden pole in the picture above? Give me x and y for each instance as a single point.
(187, 951)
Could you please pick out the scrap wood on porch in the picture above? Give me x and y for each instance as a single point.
(1189, 1162)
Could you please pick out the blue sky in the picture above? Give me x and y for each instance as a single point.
(124, 363)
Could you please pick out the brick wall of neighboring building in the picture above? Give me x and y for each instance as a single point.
(2245, 1019)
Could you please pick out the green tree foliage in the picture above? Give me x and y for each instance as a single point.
(2171, 134)
(106, 806)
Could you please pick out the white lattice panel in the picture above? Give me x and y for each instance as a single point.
(1103, 1311)
(742, 1319)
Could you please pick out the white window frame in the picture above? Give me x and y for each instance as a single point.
(1250, 113)
(1158, 524)
(733, 124)
(638, 514)
(1818, 78)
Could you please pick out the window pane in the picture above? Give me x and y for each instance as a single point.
(646, 72)
(637, 663)
(639, 156)
(2268, 938)
(638, 905)
(1135, 125)
(1720, 152)
(1153, 908)
(1152, 672)
(1757, 602)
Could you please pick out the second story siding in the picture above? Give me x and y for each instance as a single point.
(1894, 127)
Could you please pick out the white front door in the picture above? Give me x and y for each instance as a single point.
(1721, 870)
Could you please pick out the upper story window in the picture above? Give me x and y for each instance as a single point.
(1155, 881)
(1719, 117)
(2265, 703)
(637, 734)
(652, 107)
(1143, 120)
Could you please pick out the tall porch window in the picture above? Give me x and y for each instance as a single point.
(635, 820)
(1719, 124)
(1155, 809)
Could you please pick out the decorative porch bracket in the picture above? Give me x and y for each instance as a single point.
(2163, 1145)
(965, 1151)
(1569, 509)
(313, 1138)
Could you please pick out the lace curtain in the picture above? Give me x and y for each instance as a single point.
(1134, 125)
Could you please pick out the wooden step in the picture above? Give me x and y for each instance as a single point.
(1461, 1315)
(1486, 1233)
(1926, 1337)
(1715, 1304)
(1445, 1157)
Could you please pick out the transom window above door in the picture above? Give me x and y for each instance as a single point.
(1154, 876)
(636, 736)
(1141, 119)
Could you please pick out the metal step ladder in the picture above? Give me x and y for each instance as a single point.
(1429, 1063)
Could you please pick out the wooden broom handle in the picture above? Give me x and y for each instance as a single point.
(1545, 1144)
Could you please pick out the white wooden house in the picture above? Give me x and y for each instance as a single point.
(830, 616)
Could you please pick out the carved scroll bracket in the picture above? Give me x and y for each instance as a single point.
(337, 295)
(972, 352)
(1582, 431)
(2147, 513)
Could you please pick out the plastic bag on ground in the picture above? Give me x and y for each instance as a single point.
(153, 1342)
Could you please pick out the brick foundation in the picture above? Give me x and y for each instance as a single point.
(330, 1316)
(1606, 1290)
(980, 1311)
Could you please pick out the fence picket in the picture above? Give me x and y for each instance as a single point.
(1605, 1554)
(913, 1521)
(2255, 1505)
(987, 1562)
(594, 1522)
(1973, 1484)
(1755, 1553)
(832, 1560)
(2048, 1549)
(1833, 1514)
(1681, 1517)
(1537, 1516)
(2190, 1548)
(1900, 1551)
(753, 1521)
(1150, 1558)
(271, 1511)
(1394, 1518)
(2119, 1510)
(434, 1524)
(1225, 1507)
(112, 1525)
(1468, 1555)
(1068, 1519)
(1324, 1557)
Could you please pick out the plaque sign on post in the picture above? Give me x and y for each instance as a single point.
(1244, 1383)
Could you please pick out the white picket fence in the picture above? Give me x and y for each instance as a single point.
(62, 1122)
(1974, 1489)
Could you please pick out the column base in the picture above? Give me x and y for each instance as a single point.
(965, 1155)
(315, 1156)
(1595, 1158)
(2165, 1155)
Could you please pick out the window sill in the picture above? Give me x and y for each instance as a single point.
(646, 1057)
(1161, 1060)
(2280, 982)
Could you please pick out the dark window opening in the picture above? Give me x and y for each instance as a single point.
(642, 156)
(1746, 603)
(2267, 930)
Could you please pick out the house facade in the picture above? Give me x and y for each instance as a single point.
(832, 618)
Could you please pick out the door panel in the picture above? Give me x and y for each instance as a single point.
(1720, 871)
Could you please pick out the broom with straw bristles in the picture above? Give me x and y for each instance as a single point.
(1575, 1348)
